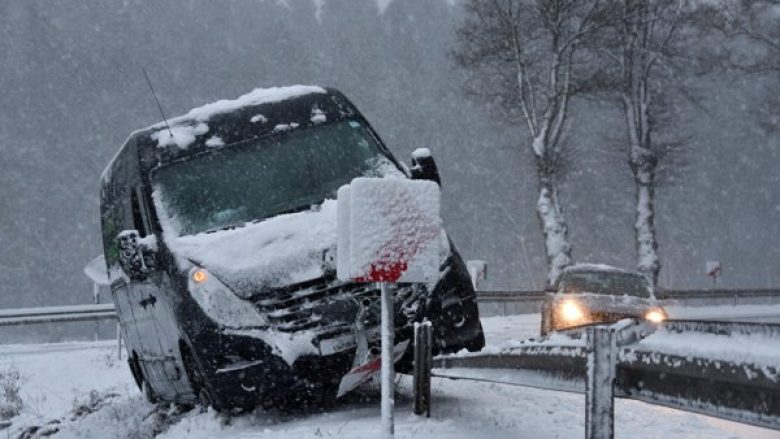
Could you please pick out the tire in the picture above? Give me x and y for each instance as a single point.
(148, 392)
(477, 343)
(196, 378)
(140, 379)
(135, 369)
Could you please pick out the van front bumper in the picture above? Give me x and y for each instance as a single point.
(243, 371)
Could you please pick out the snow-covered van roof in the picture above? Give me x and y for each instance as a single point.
(260, 112)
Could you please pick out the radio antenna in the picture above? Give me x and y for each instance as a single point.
(158, 102)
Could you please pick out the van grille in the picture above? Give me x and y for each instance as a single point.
(323, 303)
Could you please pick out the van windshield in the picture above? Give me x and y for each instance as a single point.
(265, 177)
(604, 282)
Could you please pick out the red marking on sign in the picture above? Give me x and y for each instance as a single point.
(393, 255)
(384, 272)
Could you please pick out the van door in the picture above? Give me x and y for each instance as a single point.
(113, 219)
(156, 323)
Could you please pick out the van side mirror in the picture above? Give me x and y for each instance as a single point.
(424, 167)
(137, 256)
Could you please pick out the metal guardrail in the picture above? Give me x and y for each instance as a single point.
(523, 302)
(77, 313)
(63, 314)
(520, 296)
(720, 292)
(74, 313)
(613, 361)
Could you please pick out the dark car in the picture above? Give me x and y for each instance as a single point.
(587, 293)
(219, 232)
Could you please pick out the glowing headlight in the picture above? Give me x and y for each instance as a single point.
(219, 303)
(655, 316)
(571, 311)
(199, 275)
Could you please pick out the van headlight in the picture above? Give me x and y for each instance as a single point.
(219, 303)
(655, 316)
(571, 311)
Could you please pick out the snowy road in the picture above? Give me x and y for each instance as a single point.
(57, 375)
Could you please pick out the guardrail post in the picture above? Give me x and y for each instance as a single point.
(599, 392)
(118, 340)
(423, 361)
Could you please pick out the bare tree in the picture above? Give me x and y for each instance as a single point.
(522, 55)
(636, 50)
(750, 44)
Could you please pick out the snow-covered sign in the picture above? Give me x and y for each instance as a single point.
(713, 268)
(388, 230)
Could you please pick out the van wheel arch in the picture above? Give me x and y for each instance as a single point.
(135, 369)
(200, 388)
(140, 379)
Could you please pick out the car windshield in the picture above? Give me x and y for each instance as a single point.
(264, 177)
(612, 283)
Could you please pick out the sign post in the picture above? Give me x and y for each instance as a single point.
(388, 232)
(388, 367)
(714, 269)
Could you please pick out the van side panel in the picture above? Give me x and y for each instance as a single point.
(114, 219)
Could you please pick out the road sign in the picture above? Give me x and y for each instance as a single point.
(388, 232)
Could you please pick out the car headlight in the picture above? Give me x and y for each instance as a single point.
(655, 316)
(219, 303)
(571, 311)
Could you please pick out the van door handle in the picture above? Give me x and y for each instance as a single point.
(151, 300)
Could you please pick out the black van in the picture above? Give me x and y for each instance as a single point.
(219, 233)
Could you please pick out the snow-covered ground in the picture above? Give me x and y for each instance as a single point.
(88, 376)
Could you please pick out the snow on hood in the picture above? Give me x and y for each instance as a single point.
(273, 253)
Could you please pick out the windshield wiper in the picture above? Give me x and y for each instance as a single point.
(302, 208)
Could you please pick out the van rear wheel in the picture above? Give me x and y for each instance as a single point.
(148, 392)
(135, 369)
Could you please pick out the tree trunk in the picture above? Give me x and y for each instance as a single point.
(648, 262)
(554, 227)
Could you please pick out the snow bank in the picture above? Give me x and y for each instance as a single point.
(762, 350)
(554, 340)
(55, 377)
(595, 267)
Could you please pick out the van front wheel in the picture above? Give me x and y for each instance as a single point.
(197, 381)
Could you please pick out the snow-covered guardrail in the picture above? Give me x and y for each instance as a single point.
(55, 314)
(492, 303)
(725, 370)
